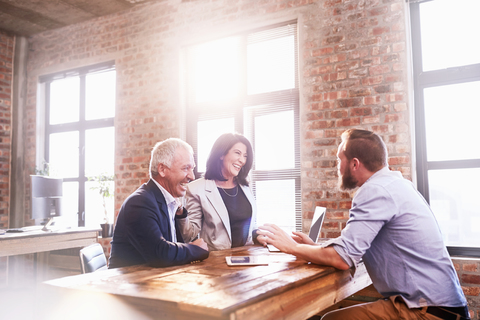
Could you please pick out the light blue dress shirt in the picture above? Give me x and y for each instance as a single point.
(392, 228)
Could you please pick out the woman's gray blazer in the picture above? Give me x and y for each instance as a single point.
(208, 215)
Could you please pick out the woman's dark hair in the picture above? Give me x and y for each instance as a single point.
(367, 147)
(220, 148)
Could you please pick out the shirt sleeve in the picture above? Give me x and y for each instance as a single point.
(372, 208)
(191, 224)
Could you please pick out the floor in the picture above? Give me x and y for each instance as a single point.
(17, 304)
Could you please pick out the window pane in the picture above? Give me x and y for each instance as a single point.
(271, 65)
(63, 157)
(456, 208)
(449, 132)
(445, 40)
(99, 151)
(100, 95)
(208, 132)
(94, 209)
(274, 141)
(64, 100)
(216, 71)
(276, 203)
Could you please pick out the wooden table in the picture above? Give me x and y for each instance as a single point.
(288, 288)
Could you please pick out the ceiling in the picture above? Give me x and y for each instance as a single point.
(28, 17)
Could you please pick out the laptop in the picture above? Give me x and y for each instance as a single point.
(315, 228)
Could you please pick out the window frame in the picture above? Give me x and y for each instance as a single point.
(196, 112)
(427, 79)
(81, 125)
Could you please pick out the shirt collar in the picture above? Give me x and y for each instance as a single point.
(168, 197)
(379, 172)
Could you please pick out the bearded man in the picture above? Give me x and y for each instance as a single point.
(393, 230)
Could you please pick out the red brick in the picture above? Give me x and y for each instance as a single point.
(472, 267)
(380, 30)
(471, 291)
(331, 234)
(345, 204)
(398, 160)
(321, 52)
(470, 279)
(330, 225)
(382, 69)
(327, 204)
(337, 215)
(378, 11)
(361, 111)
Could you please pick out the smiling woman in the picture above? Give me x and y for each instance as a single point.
(221, 206)
(248, 83)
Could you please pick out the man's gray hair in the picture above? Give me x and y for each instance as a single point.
(164, 152)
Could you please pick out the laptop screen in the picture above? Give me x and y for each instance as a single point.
(317, 222)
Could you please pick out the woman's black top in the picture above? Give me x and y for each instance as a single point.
(240, 214)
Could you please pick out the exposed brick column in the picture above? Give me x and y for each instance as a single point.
(7, 44)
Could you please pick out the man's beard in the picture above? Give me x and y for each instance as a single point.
(347, 181)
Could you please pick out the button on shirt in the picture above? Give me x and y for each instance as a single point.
(392, 228)
(172, 208)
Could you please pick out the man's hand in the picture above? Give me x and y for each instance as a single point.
(272, 234)
(262, 239)
(301, 246)
(202, 244)
(302, 238)
(180, 206)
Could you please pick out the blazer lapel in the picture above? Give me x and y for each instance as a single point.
(163, 214)
(212, 194)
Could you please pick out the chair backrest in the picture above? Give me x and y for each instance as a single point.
(92, 258)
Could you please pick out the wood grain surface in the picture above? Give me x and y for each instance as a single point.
(288, 288)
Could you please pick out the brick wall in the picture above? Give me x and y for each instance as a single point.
(353, 73)
(6, 71)
(354, 68)
(468, 271)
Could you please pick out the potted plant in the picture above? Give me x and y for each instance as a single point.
(103, 186)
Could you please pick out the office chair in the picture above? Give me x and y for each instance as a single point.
(92, 258)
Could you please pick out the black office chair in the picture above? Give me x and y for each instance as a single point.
(92, 258)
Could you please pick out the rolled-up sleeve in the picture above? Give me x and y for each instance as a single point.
(371, 209)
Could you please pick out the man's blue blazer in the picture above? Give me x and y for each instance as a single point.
(143, 235)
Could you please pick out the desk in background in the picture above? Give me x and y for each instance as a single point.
(41, 243)
(288, 288)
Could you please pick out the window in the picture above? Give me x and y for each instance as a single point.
(248, 83)
(80, 138)
(447, 79)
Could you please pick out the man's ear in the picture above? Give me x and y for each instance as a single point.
(355, 164)
(161, 170)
